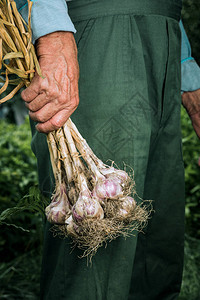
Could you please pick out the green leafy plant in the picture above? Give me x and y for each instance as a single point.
(20, 277)
(191, 21)
(191, 154)
(21, 210)
(17, 164)
(191, 275)
(18, 180)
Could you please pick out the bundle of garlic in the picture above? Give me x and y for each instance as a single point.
(93, 202)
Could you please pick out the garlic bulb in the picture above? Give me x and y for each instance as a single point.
(108, 189)
(59, 209)
(128, 205)
(87, 207)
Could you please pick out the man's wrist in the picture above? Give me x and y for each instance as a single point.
(54, 43)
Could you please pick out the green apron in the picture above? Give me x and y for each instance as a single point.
(129, 112)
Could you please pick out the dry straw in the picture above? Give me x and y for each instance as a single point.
(17, 53)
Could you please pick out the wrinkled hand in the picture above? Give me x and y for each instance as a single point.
(53, 99)
(191, 102)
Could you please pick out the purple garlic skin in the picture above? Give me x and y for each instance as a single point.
(87, 207)
(108, 189)
(57, 211)
(119, 176)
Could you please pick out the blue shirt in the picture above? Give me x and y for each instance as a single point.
(47, 16)
(52, 15)
(190, 71)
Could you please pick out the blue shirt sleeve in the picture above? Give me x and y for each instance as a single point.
(190, 71)
(47, 16)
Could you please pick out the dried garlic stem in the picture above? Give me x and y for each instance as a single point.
(82, 182)
(11, 94)
(91, 165)
(72, 149)
(18, 21)
(16, 46)
(54, 157)
(65, 154)
(84, 153)
(84, 145)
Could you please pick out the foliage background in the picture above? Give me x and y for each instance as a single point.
(191, 21)
(20, 250)
(191, 153)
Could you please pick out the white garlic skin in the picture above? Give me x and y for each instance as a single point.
(87, 207)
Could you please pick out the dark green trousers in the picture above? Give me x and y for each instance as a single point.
(129, 112)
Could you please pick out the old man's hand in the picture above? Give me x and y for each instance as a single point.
(191, 102)
(53, 99)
